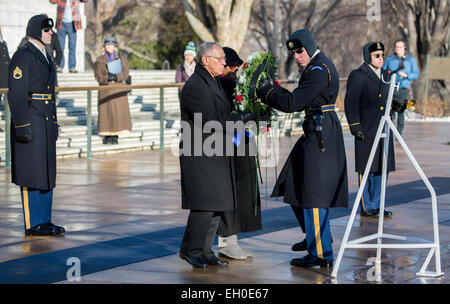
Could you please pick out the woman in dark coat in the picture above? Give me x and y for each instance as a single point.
(365, 103)
(113, 110)
(246, 217)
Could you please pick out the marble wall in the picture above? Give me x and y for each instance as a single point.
(14, 16)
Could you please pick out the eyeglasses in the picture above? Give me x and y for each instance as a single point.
(47, 29)
(297, 51)
(218, 58)
(378, 55)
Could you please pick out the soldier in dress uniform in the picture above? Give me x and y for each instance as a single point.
(365, 102)
(34, 127)
(314, 177)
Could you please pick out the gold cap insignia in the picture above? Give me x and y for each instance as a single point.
(291, 45)
(378, 46)
(17, 73)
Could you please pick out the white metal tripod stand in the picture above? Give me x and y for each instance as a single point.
(387, 124)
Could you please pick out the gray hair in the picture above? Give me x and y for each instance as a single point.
(205, 48)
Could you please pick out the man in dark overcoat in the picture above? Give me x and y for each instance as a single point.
(246, 217)
(314, 177)
(365, 104)
(34, 127)
(207, 177)
(4, 63)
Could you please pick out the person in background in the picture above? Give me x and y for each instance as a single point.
(68, 22)
(4, 63)
(405, 66)
(244, 218)
(365, 103)
(113, 109)
(187, 67)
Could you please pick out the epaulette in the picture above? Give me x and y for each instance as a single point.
(318, 67)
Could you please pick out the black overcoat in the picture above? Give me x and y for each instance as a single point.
(4, 63)
(246, 217)
(365, 103)
(33, 163)
(311, 178)
(207, 181)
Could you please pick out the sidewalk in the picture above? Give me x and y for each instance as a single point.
(124, 223)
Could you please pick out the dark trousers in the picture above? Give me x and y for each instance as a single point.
(37, 206)
(399, 120)
(69, 30)
(315, 223)
(199, 235)
(371, 196)
(298, 211)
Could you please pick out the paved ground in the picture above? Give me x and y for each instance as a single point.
(124, 223)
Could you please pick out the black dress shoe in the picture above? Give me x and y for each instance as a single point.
(300, 246)
(58, 228)
(386, 212)
(194, 261)
(107, 140)
(41, 229)
(370, 213)
(215, 261)
(311, 260)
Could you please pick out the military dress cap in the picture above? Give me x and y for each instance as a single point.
(370, 47)
(37, 23)
(110, 40)
(302, 38)
(231, 57)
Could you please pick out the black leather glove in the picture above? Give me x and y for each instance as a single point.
(112, 77)
(359, 135)
(264, 85)
(26, 138)
(247, 116)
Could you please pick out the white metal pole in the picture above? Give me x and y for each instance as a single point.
(357, 201)
(385, 150)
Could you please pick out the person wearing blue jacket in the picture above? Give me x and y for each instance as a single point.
(405, 66)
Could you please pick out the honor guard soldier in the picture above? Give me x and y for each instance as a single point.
(365, 103)
(34, 127)
(314, 177)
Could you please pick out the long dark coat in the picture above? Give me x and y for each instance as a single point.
(365, 104)
(207, 182)
(311, 178)
(4, 63)
(33, 163)
(113, 109)
(246, 217)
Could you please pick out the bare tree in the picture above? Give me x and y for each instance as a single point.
(223, 21)
(424, 24)
(273, 21)
(104, 17)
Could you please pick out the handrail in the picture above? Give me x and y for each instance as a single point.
(89, 90)
(139, 86)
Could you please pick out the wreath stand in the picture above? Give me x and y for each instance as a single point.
(387, 124)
